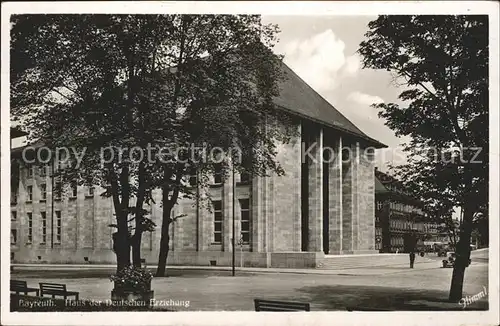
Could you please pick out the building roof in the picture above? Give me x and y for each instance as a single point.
(393, 188)
(379, 187)
(298, 97)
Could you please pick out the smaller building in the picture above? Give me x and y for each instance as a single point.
(400, 220)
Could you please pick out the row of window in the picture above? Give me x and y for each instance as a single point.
(43, 224)
(404, 208)
(217, 235)
(397, 241)
(406, 225)
(57, 192)
(244, 222)
(400, 207)
(219, 178)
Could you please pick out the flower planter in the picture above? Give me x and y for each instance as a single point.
(132, 289)
(132, 295)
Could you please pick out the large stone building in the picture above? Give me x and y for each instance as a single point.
(399, 217)
(316, 208)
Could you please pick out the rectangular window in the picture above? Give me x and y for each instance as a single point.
(58, 227)
(57, 191)
(13, 198)
(13, 216)
(61, 164)
(43, 192)
(193, 178)
(30, 193)
(245, 220)
(43, 170)
(30, 227)
(245, 177)
(44, 227)
(13, 236)
(217, 175)
(90, 192)
(218, 220)
(74, 189)
(30, 171)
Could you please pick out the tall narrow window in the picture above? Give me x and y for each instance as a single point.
(13, 236)
(218, 220)
(61, 164)
(30, 227)
(29, 190)
(30, 171)
(57, 191)
(13, 197)
(13, 216)
(43, 192)
(58, 227)
(245, 220)
(44, 227)
(90, 192)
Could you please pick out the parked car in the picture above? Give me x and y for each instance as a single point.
(450, 260)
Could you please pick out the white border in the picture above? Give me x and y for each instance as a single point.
(490, 317)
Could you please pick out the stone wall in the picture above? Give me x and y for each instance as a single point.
(275, 208)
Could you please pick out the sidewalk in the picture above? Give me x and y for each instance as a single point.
(352, 272)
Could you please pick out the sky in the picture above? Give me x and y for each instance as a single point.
(322, 51)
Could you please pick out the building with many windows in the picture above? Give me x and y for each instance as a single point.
(319, 207)
(398, 217)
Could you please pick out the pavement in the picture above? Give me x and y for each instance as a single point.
(429, 262)
(353, 271)
(207, 288)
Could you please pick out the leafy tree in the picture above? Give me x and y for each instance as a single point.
(74, 85)
(219, 83)
(443, 63)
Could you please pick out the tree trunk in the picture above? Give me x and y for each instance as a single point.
(164, 246)
(168, 204)
(136, 249)
(137, 238)
(122, 251)
(462, 252)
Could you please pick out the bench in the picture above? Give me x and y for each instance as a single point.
(21, 287)
(271, 305)
(55, 289)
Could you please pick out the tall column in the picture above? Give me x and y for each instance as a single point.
(315, 167)
(227, 206)
(355, 194)
(335, 199)
(366, 201)
(257, 211)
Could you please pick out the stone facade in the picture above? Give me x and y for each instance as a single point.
(289, 227)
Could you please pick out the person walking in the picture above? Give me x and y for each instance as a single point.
(412, 258)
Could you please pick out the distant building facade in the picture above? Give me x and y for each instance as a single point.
(315, 209)
(398, 218)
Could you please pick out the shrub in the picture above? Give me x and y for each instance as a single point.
(131, 277)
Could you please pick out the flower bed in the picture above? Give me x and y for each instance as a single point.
(132, 284)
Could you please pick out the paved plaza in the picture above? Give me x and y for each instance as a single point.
(393, 287)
